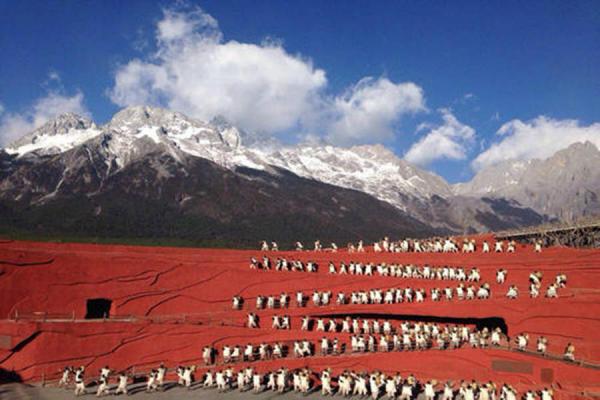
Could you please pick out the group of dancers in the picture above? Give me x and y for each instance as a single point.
(432, 245)
(374, 384)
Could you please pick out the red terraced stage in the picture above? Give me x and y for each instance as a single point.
(166, 304)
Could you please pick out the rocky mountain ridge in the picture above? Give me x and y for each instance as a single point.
(148, 136)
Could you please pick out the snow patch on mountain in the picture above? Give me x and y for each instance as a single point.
(372, 169)
(54, 144)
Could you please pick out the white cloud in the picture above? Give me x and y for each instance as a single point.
(369, 110)
(195, 24)
(54, 76)
(538, 138)
(449, 140)
(15, 125)
(259, 87)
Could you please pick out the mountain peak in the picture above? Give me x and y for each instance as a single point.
(577, 147)
(564, 185)
(61, 125)
(376, 152)
(70, 119)
(221, 122)
(230, 134)
(137, 116)
(54, 134)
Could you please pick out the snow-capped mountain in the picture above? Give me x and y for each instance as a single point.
(372, 169)
(159, 150)
(565, 185)
(154, 174)
(56, 136)
(127, 135)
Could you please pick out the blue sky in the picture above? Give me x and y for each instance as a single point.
(443, 77)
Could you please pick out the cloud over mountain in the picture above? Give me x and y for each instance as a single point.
(15, 124)
(450, 140)
(538, 138)
(259, 87)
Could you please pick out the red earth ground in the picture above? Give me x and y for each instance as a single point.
(167, 303)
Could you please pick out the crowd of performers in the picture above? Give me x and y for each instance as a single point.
(434, 245)
(363, 335)
(374, 335)
(323, 298)
(405, 271)
(363, 297)
(376, 384)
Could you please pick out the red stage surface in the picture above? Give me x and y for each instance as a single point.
(167, 303)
